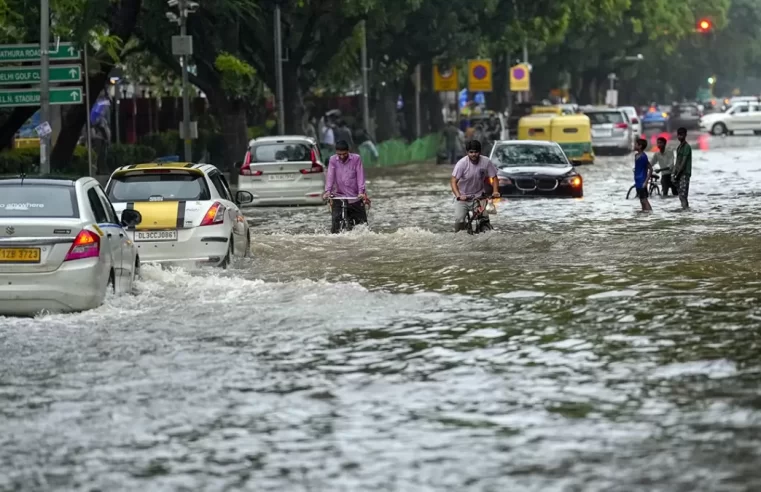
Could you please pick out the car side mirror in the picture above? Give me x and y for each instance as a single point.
(131, 218)
(243, 197)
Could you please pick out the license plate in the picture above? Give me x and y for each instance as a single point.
(20, 255)
(602, 133)
(155, 235)
(281, 177)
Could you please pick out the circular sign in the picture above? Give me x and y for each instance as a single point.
(480, 72)
(519, 73)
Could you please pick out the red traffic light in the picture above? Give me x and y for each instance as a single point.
(704, 25)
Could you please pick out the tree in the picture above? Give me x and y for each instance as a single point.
(116, 24)
(223, 75)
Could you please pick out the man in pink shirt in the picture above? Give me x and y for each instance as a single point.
(469, 178)
(346, 178)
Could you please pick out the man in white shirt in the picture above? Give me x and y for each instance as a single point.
(665, 161)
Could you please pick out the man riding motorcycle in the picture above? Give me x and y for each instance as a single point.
(467, 182)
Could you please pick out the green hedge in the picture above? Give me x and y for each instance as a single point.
(28, 160)
(397, 152)
(119, 155)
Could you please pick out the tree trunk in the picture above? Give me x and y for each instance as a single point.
(232, 117)
(16, 119)
(431, 101)
(74, 119)
(293, 99)
(408, 96)
(385, 113)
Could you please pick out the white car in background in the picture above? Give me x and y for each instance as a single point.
(283, 170)
(189, 214)
(62, 246)
(741, 116)
(631, 111)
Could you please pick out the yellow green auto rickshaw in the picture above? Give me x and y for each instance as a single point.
(535, 127)
(573, 133)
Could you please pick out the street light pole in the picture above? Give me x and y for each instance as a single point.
(45, 83)
(365, 84)
(279, 70)
(185, 85)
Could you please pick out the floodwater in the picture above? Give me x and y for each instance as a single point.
(580, 347)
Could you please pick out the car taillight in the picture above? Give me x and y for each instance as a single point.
(316, 166)
(86, 245)
(245, 169)
(623, 126)
(635, 121)
(215, 215)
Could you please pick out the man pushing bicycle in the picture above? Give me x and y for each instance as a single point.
(468, 179)
(346, 178)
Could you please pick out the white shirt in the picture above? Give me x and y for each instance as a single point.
(328, 137)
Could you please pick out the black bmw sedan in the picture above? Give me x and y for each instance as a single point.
(534, 168)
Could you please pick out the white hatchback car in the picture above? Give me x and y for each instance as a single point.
(189, 214)
(61, 246)
(631, 111)
(283, 170)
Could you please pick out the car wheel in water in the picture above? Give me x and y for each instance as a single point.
(719, 129)
(111, 281)
(247, 252)
(228, 258)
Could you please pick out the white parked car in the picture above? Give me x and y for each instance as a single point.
(189, 214)
(631, 111)
(283, 170)
(62, 246)
(741, 116)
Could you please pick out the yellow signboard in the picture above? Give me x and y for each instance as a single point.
(479, 76)
(25, 143)
(520, 78)
(445, 80)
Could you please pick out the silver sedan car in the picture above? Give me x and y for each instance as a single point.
(61, 246)
(611, 130)
(283, 170)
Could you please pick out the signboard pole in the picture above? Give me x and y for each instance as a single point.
(44, 83)
(88, 105)
(417, 101)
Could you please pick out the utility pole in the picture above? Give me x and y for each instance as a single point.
(185, 85)
(365, 84)
(45, 83)
(279, 70)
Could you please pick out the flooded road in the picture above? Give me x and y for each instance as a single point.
(581, 347)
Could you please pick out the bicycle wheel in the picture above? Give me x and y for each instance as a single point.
(629, 193)
(655, 190)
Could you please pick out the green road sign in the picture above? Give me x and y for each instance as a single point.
(11, 98)
(31, 52)
(31, 75)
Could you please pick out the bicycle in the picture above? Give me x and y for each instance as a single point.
(652, 188)
(344, 223)
(477, 218)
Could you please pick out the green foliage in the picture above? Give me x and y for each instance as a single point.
(28, 160)
(237, 75)
(127, 154)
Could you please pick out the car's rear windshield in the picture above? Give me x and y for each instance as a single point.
(158, 187)
(528, 155)
(30, 200)
(603, 117)
(280, 152)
